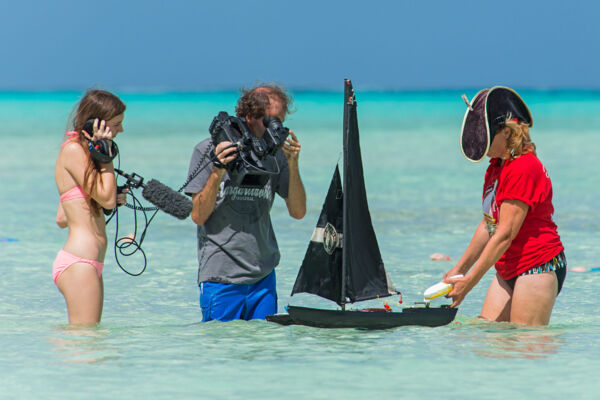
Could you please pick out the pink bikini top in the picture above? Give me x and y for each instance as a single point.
(72, 135)
(75, 192)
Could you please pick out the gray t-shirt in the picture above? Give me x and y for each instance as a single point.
(240, 224)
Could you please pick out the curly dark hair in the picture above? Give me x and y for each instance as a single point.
(254, 102)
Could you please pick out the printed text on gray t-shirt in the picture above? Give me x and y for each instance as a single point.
(240, 224)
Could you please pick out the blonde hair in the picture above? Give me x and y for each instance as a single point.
(518, 142)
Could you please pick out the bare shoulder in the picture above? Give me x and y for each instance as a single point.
(73, 152)
(73, 160)
(72, 147)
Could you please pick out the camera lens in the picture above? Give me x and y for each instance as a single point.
(275, 134)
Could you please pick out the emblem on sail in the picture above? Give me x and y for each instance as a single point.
(327, 235)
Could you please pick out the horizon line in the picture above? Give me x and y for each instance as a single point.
(291, 88)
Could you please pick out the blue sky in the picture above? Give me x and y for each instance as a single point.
(196, 45)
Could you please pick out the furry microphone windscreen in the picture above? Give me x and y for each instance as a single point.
(166, 199)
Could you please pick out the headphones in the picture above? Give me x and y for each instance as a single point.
(100, 150)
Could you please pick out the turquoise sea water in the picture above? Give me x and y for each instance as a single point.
(424, 197)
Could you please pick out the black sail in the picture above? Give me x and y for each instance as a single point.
(321, 270)
(365, 275)
(343, 262)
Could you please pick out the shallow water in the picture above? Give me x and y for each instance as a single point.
(423, 197)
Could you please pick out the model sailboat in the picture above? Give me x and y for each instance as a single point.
(343, 263)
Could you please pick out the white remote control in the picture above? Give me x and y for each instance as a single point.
(439, 289)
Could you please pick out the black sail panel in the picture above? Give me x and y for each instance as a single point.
(320, 272)
(365, 273)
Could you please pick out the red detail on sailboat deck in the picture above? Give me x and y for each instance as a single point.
(400, 301)
(378, 309)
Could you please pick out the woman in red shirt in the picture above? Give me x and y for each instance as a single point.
(517, 233)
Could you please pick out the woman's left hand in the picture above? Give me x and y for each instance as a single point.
(122, 197)
(101, 131)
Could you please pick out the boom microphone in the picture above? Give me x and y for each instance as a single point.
(167, 199)
(162, 196)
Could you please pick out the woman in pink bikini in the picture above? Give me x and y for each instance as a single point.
(86, 185)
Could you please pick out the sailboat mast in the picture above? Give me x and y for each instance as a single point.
(348, 102)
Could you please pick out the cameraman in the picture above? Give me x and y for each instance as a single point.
(237, 249)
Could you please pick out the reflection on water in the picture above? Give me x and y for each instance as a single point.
(507, 340)
(83, 344)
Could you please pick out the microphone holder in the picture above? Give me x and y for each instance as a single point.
(133, 180)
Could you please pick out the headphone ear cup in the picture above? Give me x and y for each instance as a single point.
(114, 149)
(102, 146)
(102, 151)
(88, 126)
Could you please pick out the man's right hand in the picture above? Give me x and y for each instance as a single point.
(204, 201)
(225, 152)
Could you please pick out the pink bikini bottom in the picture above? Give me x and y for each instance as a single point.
(65, 259)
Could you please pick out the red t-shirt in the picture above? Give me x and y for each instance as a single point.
(524, 179)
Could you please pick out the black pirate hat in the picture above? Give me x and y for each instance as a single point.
(486, 114)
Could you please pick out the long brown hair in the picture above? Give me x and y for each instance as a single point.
(95, 104)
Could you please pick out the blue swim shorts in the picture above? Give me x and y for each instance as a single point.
(226, 302)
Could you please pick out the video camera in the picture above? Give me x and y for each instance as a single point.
(256, 156)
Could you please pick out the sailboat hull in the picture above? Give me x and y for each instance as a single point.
(319, 318)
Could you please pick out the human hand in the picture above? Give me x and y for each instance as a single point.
(225, 152)
(122, 197)
(291, 147)
(461, 286)
(100, 131)
(453, 271)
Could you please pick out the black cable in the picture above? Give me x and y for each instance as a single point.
(127, 245)
(127, 242)
(212, 160)
(199, 168)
